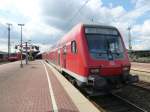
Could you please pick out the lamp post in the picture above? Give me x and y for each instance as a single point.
(129, 33)
(26, 52)
(21, 65)
(9, 25)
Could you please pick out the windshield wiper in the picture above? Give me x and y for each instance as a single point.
(116, 52)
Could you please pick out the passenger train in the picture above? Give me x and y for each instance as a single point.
(93, 57)
(14, 57)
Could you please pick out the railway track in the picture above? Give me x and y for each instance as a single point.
(143, 85)
(140, 71)
(115, 103)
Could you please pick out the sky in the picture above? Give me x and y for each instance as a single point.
(46, 21)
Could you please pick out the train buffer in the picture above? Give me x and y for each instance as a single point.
(38, 87)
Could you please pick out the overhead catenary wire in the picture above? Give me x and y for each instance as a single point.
(76, 13)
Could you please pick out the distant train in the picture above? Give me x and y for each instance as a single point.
(93, 57)
(14, 57)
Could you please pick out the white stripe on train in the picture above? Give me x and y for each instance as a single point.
(76, 76)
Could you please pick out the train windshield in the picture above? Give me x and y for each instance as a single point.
(105, 46)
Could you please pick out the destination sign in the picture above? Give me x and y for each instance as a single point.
(99, 30)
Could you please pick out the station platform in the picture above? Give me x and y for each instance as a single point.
(140, 66)
(142, 70)
(38, 87)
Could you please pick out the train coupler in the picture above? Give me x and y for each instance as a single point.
(132, 79)
(96, 81)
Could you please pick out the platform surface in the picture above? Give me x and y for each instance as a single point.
(38, 87)
(142, 70)
(140, 66)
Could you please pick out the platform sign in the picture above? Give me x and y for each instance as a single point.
(100, 30)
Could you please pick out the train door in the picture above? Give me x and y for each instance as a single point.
(59, 57)
(64, 56)
(74, 62)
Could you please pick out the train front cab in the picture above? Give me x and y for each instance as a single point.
(108, 65)
(93, 57)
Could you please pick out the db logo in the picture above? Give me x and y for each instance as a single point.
(112, 63)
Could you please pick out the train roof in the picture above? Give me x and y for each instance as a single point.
(97, 25)
(78, 26)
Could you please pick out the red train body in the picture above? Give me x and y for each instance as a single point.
(93, 56)
(14, 57)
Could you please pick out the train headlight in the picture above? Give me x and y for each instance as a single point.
(94, 71)
(126, 74)
(126, 68)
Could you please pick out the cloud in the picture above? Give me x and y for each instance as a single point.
(46, 21)
(141, 3)
(63, 14)
(143, 45)
(57, 13)
(14, 35)
(142, 31)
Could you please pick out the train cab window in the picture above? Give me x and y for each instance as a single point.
(73, 47)
(105, 46)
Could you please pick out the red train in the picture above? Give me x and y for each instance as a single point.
(93, 57)
(14, 57)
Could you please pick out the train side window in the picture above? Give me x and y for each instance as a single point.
(64, 50)
(73, 47)
(59, 57)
